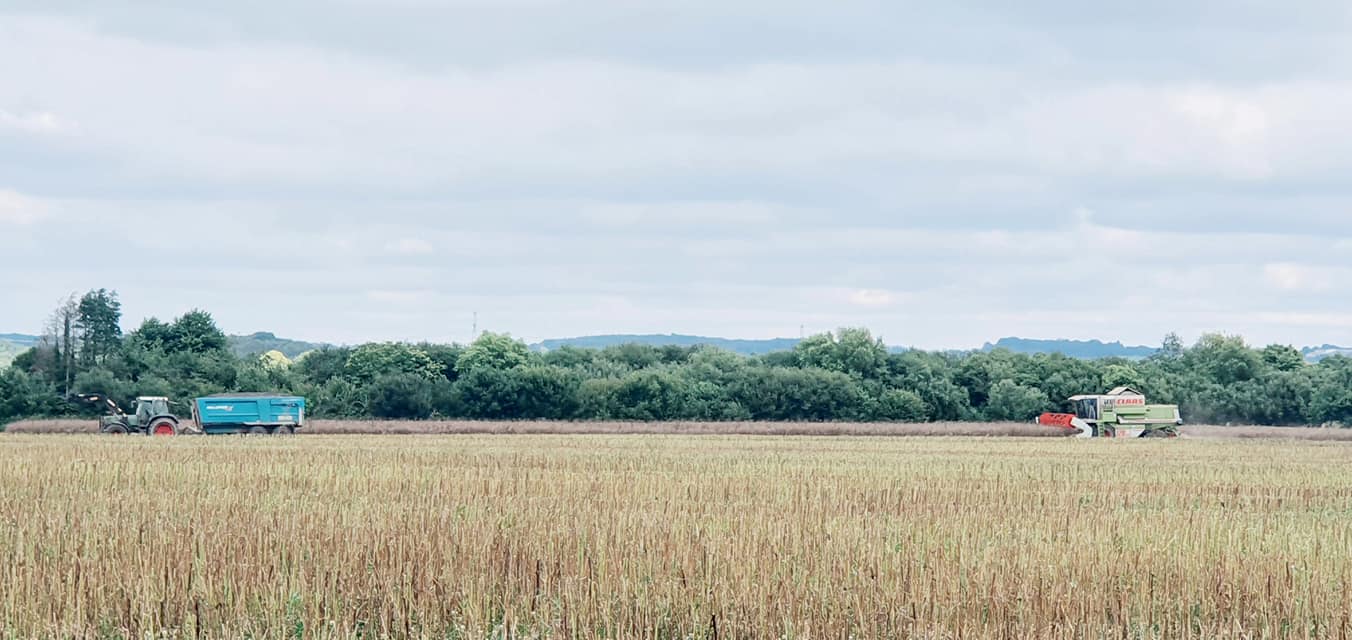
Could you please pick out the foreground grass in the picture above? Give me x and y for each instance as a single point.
(672, 537)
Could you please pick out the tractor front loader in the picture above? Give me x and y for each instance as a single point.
(152, 416)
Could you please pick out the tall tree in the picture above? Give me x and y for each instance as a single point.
(61, 343)
(99, 321)
(196, 332)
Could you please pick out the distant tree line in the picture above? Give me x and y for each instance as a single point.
(848, 375)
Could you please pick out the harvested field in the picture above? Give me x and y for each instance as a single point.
(1268, 433)
(470, 427)
(1007, 429)
(467, 427)
(478, 536)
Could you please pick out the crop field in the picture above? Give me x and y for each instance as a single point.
(470, 427)
(673, 536)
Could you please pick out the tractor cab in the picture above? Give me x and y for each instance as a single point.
(149, 407)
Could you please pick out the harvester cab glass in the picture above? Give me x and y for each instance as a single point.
(1087, 409)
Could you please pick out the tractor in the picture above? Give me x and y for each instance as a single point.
(1120, 413)
(152, 416)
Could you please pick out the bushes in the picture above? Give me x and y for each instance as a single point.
(848, 376)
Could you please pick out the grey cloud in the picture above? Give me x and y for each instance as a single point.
(943, 174)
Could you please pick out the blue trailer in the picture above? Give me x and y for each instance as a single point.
(251, 413)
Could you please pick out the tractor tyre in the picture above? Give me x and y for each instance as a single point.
(116, 430)
(258, 431)
(283, 431)
(162, 428)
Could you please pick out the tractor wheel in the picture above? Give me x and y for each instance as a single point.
(162, 428)
(283, 431)
(116, 430)
(258, 431)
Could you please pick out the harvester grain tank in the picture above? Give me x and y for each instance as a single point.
(1120, 413)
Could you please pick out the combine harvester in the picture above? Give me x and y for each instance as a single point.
(1121, 413)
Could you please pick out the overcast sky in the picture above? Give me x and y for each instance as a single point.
(943, 173)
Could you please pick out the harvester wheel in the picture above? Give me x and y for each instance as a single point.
(1107, 432)
(116, 430)
(258, 431)
(283, 431)
(162, 428)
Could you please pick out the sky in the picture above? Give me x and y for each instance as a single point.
(944, 174)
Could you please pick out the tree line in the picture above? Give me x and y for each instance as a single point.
(848, 375)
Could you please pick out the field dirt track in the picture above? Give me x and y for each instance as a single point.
(470, 427)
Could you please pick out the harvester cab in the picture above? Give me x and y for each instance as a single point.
(1120, 413)
(152, 416)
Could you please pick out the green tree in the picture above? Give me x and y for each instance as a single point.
(323, 364)
(850, 351)
(196, 332)
(521, 393)
(99, 321)
(1012, 401)
(1282, 357)
(650, 394)
(493, 351)
(1223, 359)
(400, 395)
(1121, 375)
(1331, 396)
(371, 361)
(899, 405)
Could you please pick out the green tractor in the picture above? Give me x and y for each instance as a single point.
(152, 416)
(1120, 413)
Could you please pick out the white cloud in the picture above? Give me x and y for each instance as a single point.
(410, 247)
(704, 168)
(400, 297)
(17, 209)
(36, 122)
(872, 298)
(1300, 277)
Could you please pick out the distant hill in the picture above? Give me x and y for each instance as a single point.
(1082, 349)
(12, 344)
(263, 342)
(20, 340)
(744, 347)
(1315, 354)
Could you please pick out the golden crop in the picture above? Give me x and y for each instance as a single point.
(672, 537)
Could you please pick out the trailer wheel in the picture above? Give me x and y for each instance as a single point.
(258, 431)
(162, 428)
(116, 430)
(283, 431)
